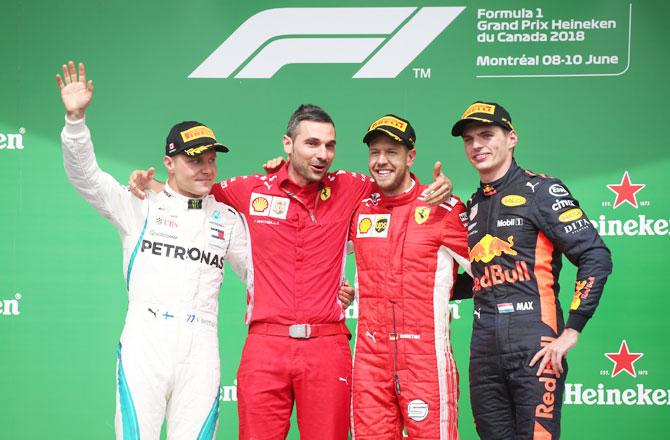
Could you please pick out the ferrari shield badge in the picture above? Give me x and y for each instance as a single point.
(421, 214)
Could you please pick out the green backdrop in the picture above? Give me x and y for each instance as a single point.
(61, 285)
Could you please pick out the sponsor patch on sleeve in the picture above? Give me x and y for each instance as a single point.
(570, 215)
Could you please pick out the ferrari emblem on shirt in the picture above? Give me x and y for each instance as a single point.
(421, 214)
(325, 193)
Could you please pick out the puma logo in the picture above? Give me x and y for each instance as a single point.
(532, 186)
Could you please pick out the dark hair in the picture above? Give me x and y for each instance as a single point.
(306, 112)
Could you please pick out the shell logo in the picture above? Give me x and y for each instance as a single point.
(260, 204)
(570, 215)
(365, 225)
(513, 200)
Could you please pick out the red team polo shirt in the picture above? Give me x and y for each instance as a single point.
(298, 241)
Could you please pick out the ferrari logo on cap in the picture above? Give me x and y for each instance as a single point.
(421, 214)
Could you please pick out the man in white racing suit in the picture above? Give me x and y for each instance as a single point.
(174, 247)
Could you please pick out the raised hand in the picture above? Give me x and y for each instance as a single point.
(440, 190)
(75, 91)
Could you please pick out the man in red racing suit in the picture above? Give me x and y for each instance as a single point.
(297, 350)
(407, 256)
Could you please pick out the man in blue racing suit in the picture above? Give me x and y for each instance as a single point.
(520, 225)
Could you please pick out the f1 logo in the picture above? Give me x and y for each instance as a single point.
(280, 36)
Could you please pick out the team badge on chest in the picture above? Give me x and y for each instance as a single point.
(373, 225)
(268, 206)
(325, 193)
(421, 214)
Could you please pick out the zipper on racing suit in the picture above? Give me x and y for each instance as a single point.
(395, 338)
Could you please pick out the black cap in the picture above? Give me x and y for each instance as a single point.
(485, 112)
(397, 128)
(191, 138)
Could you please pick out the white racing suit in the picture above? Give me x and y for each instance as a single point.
(173, 257)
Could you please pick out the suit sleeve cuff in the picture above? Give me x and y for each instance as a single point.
(76, 127)
(577, 321)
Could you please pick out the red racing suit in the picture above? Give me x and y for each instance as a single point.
(298, 238)
(407, 257)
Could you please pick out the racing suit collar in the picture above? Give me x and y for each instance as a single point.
(409, 194)
(182, 201)
(286, 184)
(491, 188)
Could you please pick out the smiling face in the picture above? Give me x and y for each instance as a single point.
(389, 163)
(311, 151)
(489, 149)
(191, 176)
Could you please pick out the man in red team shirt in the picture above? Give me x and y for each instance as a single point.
(407, 257)
(298, 348)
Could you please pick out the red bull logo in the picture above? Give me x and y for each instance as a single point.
(545, 410)
(495, 274)
(582, 290)
(490, 247)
